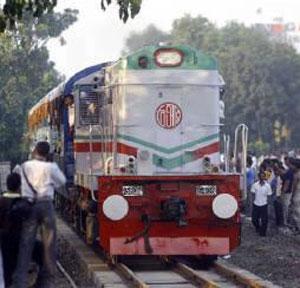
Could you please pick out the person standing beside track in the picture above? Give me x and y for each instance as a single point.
(295, 201)
(287, 187)
(261, 190)
(250, 176)
(276, 186)
(39, 179)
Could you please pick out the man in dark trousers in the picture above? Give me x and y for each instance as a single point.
(261, 190)
(39, 179)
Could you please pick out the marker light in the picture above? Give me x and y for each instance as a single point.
(168, 57)
(224, 206)
(115, 207)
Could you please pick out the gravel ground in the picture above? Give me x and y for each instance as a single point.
(70, 261)
(61, 281)
(275, 258)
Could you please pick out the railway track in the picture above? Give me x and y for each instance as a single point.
(175, 274)
(172, 272)
(66, 275)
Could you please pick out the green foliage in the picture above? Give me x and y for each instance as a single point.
(126, 8)
(26, 74)
(259, 148)
(195, 32)
(262, 81)
(262, 75)
(13, 11)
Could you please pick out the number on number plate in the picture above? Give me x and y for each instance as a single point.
(131, 190)
(206, 190)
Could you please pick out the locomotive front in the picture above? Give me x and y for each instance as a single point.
(162, 191)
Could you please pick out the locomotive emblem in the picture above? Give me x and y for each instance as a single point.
(168, 115)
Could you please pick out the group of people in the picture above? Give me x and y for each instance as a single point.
(274, 183)
(26, 209)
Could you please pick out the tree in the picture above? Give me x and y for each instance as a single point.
(149, 36)
(262, 79)
(196, 32)
(126, 8)
(26, 75)
(13, 10)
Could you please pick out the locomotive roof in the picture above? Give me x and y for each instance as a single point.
(69, 85)
(192, 58)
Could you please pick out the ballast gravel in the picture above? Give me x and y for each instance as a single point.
(275, 257)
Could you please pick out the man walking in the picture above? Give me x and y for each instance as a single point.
(39, 179)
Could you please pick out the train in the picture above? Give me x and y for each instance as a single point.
(139, 142)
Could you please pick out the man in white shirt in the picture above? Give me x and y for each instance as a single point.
(39, 180)
(261, 190)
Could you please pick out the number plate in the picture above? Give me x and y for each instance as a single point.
(206, 190)
(132, 190)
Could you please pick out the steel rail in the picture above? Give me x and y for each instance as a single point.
(194, 276)
(130, 275)
(65, 273)
(237, 276)
(230, 273)
(198, 278)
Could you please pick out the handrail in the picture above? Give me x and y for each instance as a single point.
(91, 163)
(226, 152)
(243, 129)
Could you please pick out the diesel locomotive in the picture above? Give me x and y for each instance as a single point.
(139, 142)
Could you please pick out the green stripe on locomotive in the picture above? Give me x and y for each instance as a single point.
(192, 59)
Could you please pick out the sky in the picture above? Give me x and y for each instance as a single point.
(99, 36)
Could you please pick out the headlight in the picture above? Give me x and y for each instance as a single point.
(168, 57)
(115, 207)
(224, 206)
